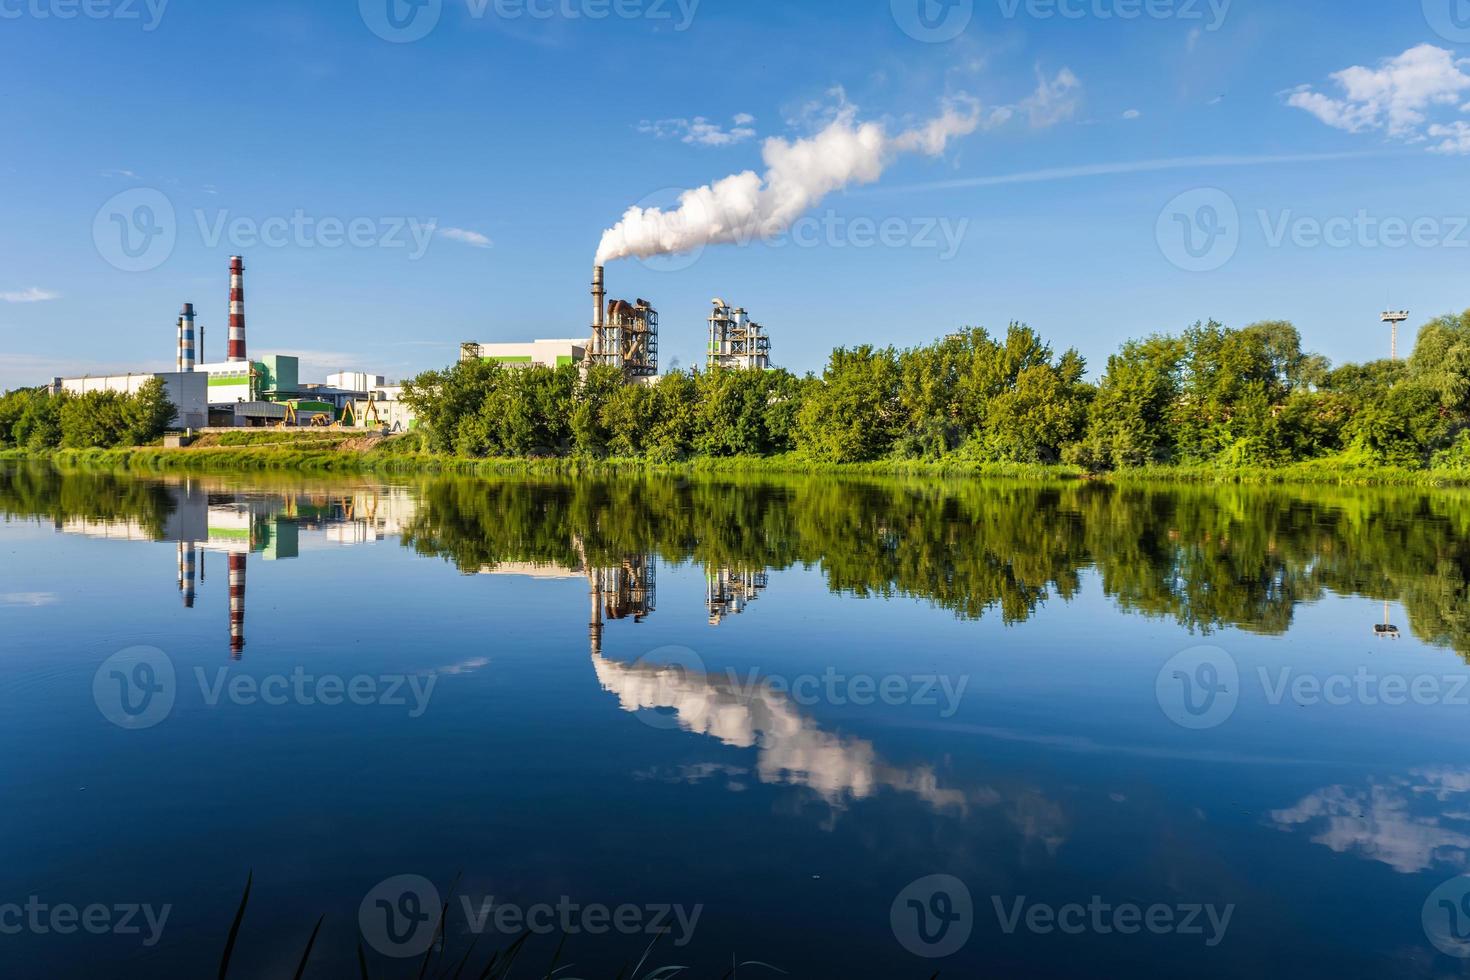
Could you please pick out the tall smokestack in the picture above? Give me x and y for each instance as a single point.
(237, 605)
(599, 309)
(186, 339)
(237, 309)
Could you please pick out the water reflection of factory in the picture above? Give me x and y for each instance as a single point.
(236, 525)
(628, 589)
(206, 519)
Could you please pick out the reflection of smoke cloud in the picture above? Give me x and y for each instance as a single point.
(1379, 822)
(790, 747)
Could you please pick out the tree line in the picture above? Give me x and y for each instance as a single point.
(1209, 396)
(33, 418)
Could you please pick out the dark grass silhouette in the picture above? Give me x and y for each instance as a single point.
(437, 963)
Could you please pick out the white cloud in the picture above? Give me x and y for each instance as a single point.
(1055, 100)
(1395, 98)
(1132, 114)
(1455, 138)
(699, 131)
(29, 296)
(466, 237)
(128, 174)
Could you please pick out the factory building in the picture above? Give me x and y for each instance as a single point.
(538, 353)
(187, 391)
(736, 342)
(624, 335)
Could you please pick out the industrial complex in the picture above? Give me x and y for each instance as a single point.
(267, 391)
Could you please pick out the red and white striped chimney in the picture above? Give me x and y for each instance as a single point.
(237, 309)
(237, 605)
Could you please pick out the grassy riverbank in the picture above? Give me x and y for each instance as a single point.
(317, 453)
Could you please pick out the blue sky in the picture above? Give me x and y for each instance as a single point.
(1100, 141)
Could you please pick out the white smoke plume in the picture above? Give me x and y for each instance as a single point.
(799, 175)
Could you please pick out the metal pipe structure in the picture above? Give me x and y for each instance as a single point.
(599, 313)
(186, 358)
(237, 605)
(237, 309)
(1393, 318)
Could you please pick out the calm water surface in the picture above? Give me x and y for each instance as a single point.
(841, 729)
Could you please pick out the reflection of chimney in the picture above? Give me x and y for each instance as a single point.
(237, 309)
(594, 626)
(187, 560)
(237, 605)
(186, 339)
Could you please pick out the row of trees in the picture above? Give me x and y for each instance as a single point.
(1209, 396)
(33, 418)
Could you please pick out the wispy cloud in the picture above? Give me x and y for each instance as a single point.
(127, 174)
(1114, 169)
(28, 600)
(1055, 100)
(699, 131)
(1132, 114)
(466, 237)
(32, 295)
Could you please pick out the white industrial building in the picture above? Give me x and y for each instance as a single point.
(187, 390)
(538, 353)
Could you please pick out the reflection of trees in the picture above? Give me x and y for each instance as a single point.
(1206, 557)
(41, 492)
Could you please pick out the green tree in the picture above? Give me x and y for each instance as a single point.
(855, 415)
(147, 415)
(1128, 424)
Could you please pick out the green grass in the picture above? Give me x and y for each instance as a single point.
(326, 453)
